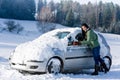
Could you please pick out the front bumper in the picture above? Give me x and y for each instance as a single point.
(30, 66)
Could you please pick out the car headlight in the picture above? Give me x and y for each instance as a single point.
(11, 54)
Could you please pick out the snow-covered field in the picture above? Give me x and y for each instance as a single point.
(9, 41)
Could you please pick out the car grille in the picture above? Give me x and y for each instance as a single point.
(30, 66)
(19, 64)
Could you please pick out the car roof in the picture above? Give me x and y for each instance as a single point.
(68, 29)
(54, 32)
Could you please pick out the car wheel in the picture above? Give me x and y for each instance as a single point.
(108, 62)
(54, 66)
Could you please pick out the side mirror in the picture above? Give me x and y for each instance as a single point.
(69, 38)
(70, 41)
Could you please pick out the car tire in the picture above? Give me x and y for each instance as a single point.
(108, 62)
(54, 66)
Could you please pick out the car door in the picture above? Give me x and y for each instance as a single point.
(78, 56)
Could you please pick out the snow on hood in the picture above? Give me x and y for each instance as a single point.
(39, 48)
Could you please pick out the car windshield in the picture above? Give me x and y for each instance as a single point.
(61, 35)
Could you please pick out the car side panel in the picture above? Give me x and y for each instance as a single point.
(78, 57)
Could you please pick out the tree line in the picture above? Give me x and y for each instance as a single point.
(104, 17)
(17, 9)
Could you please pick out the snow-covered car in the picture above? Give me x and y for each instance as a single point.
(57, 51)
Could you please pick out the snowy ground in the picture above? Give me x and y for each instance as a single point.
(9, 41)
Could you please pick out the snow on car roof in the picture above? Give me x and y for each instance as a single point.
(68, 29)
(53, 32)
(73, 32)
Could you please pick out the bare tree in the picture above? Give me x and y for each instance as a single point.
(46, 16)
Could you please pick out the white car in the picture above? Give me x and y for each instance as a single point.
(57, 51)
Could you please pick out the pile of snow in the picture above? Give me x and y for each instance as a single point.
(38, 49)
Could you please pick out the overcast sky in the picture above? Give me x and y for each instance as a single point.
(93, 1)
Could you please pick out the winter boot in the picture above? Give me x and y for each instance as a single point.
(96, 70)
(105, 67)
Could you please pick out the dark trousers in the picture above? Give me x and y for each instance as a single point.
(96, 55)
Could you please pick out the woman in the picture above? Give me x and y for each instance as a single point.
(91, 39)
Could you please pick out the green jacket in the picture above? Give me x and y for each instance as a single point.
(92, 39)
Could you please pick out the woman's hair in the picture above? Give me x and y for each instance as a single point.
(83, 32)
(84, 24)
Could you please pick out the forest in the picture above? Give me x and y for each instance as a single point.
(103, 17)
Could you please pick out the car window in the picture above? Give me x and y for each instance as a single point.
(61, 35)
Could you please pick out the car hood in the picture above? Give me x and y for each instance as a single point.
(39, 49)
